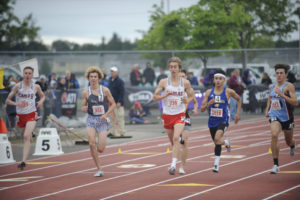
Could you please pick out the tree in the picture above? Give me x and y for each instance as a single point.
(61, 45)
(167, 32)
(254, 20)
(14, 31)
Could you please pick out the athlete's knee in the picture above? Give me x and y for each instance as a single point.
(274, 136)
(175, 139)
(27, 138)
(217, 141)
(100, 149)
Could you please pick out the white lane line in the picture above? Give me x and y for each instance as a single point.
(235, 181)
(89, 158)
(66, 174)
(161, 182)
(208, 169)
(287, 190)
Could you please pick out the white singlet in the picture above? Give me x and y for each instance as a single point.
(172, 104)
(27, 96)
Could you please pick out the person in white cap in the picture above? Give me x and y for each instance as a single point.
(117, 89)
(26, 107)
(216, 101)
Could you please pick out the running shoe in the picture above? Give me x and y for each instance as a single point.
(99, 173)
(172, 170)
(181, 140)
(293, 150)
(227, 145)
(216, 168)
(181, 170)
(22, 165)
(274, 170)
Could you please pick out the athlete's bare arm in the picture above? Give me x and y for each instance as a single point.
(204, 104)
(268, 105)
(233, 94)
(292, 98)
(41, 95)
(84, 106)
(111, 102)
(11, 94)
(189, 91)
(161, 87)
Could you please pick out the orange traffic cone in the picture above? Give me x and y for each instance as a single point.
(2, 127)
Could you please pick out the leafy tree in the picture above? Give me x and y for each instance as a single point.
(61, 45)
(14, 31)
(167, 32)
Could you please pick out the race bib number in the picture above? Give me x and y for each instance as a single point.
(216, 112)
(98, 110)
(173, 102)
(276, 105)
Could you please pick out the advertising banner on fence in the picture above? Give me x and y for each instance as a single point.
(69, 103)
(255, 97)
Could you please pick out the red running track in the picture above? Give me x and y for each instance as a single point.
(141, 171)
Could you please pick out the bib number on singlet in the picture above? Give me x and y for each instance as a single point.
(98, 110)
(276, 105)
(216, 112)
(173, 102)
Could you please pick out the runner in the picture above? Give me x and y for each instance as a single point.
(216, 101)
(185, 134)
(173, 101)
(281, 99)
(26, 108)
(98, 102)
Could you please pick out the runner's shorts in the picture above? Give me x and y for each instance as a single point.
(24, 118)
(288, 125)
(171, 120)
(96, 123)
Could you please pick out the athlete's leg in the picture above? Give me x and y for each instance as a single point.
(30, 125)
(101, 141)
(289, 139)
(178, 129)
(170, 133)
(275, 130)
(184, 152)
(91, 135)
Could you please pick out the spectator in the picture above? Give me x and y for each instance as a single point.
(137, 114)
(51, 76)
(105, 80)
(266, 79)
(136, 76)
(193, 79)
(68, 79)
(44, 85)
(209, 78)
(247, 77)
(117, 89)
(73, 82)
(47, 105)
(54, 103)
(162, 75)
(148, 75)
(235, 83)
(61, 88)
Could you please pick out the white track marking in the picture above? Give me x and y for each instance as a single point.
(287, 190)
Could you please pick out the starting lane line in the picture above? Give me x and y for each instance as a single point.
(76, 172)
(105, 155)
(235, 181)
(58, 176)
(141, 171)
(287, 190)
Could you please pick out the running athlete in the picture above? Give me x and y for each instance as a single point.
(26, 108)
(216, 101)
(185, 134)
(173, 103)
(279, 110)
(98, 102)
